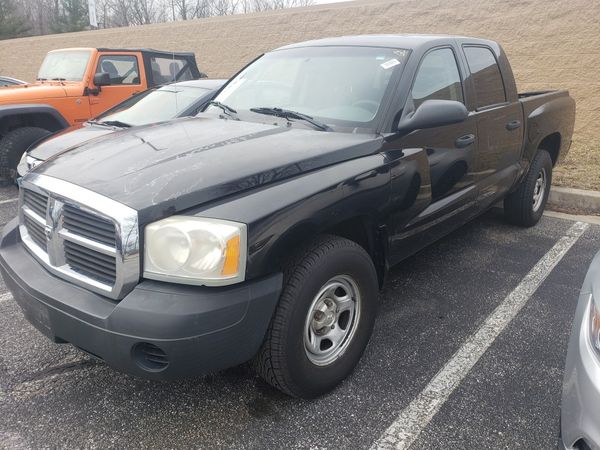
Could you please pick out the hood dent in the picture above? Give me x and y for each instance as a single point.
(224, 143)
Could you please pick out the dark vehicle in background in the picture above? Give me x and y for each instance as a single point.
(154, 105)
(263, 228)
(8, 81)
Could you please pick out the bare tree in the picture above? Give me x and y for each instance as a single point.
(118, 13)
(145, 12)
(46, 16)
(265, 5)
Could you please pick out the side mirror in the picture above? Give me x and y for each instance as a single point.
(102, 79)
(434, 113)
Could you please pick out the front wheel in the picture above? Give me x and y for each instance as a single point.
(12, 147)
(323, 321)
(525, 206)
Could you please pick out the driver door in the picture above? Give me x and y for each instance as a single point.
(450, 154)
(126, 80)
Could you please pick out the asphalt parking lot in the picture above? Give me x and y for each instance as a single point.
(55, 396)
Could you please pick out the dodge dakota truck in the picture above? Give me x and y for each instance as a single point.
(262, 229)
(76, 84)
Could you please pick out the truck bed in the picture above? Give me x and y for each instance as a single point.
(548, 112)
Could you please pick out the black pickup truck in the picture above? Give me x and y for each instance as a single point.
(263, 228)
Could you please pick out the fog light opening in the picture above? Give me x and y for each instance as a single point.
(149, 357)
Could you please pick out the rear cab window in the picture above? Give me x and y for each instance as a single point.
(437, 78)
(486, 75)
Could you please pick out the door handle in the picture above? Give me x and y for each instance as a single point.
(513, 125)
(464, 141)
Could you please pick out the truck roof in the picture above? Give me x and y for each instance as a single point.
(405, 41)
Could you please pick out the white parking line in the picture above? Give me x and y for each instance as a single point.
(415, 417)
(10, 200)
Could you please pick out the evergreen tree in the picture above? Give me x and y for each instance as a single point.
(72, 15)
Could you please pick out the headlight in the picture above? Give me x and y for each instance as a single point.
(29, 161)
(195, 250)
(594, 325)
(32, 162)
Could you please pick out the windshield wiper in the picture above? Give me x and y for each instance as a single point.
(228, 110)
(59, 79)
(110, 123)
(289, 114)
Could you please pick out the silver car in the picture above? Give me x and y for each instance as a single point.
(8, 81)
(580, 412)
(155, 105)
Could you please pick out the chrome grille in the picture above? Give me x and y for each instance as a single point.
(36, 201)
(36, 232)
(91, 226)
(90, 263)
(80, 235)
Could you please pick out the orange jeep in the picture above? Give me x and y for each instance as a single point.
(75, 85)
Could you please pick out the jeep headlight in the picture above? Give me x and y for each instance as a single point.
(594, 325)
(195, 250)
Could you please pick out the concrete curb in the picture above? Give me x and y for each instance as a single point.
(570, 199)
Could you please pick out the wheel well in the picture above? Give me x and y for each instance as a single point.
(39, 120)
(357, 229)
(551, 144)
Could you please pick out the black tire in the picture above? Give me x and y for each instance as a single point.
(12, 147)
(283, 360)
(520, 205)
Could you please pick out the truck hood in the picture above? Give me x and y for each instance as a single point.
(64, 140)
(165, 168)
(31, 92)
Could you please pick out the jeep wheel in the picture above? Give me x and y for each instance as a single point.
(525, 206)
(323, 321)
(12, 147)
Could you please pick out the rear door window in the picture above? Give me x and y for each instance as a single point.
(487, 79)
(438, 78)
(169, 70)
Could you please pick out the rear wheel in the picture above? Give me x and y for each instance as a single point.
(525, 206)
(324, 318)
(12, 147)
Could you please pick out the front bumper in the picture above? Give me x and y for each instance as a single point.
(158, 331)
(580, 409)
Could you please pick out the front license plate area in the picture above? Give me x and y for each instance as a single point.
(35, 312)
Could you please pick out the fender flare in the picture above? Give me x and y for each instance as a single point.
(44, 116)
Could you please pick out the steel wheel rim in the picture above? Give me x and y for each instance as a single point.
(332, 320)
(539, 190)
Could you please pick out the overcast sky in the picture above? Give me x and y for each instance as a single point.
(318, 2)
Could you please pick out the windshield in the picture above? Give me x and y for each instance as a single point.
(68, 66)
(341, 86)
(155, 105)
